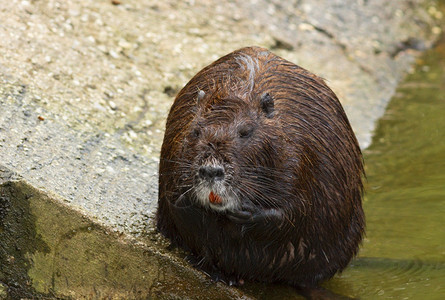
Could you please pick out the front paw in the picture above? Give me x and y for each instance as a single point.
(260, 225)
(240, 216)
(262, 216)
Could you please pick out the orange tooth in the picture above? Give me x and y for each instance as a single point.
(214, 198)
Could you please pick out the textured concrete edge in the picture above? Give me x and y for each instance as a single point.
(50, 250)
(93, 173)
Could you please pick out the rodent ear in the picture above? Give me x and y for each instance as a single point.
(267, 105)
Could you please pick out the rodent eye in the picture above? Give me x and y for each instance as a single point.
(196, 132)
(245, 131)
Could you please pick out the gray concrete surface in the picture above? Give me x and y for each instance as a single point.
(85, 86)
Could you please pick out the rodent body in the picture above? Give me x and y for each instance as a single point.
(260, 173)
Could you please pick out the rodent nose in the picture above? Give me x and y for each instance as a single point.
(210, 173)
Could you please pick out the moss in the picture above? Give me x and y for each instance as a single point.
(51, 251)
(19, 240)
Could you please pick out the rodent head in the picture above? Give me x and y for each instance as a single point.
(229, 144)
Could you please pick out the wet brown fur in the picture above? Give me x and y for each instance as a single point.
(296, 171)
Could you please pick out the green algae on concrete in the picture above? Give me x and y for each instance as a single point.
(50, 250)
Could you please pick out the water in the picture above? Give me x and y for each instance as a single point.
(403, 255)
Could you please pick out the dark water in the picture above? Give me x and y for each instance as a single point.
(403, 255)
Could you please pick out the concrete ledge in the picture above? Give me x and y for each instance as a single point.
(49, 250)
(94, 173)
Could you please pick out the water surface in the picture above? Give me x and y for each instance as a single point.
(403, 255)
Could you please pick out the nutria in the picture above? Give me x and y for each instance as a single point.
(260, 174)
